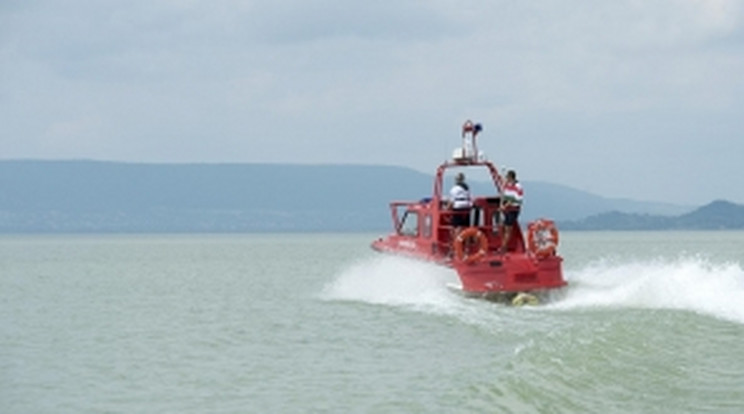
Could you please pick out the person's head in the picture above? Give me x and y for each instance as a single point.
(511, 175)
(460, 178)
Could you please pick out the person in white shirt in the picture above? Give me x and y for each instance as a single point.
(460, 203)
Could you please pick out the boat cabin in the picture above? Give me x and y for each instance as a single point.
(425, 225)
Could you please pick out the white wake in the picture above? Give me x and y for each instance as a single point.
(694, 284)
(392, 280)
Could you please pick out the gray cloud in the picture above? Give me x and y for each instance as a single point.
(627, 99)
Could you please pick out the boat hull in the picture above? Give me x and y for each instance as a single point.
(493, 274)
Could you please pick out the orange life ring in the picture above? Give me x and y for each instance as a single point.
(481, 240)
(542, 237)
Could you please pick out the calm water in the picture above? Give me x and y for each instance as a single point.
(651, 323)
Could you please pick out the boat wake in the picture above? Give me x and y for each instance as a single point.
(412, 285)
(392, 280)
(692, 284)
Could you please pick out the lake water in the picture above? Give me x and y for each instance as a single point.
(652, 322)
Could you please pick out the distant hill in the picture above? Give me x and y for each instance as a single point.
(565, 203)
(717, 215)
(93, 196)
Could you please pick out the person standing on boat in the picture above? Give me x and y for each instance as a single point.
(511, 204)
(460, 203)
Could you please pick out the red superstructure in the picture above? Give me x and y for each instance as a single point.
(528, 267)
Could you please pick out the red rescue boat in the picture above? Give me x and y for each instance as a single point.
(523, 272)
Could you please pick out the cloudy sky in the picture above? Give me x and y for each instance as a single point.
(627, 98)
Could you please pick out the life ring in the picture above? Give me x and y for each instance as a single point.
(480, 239)
(542, 237)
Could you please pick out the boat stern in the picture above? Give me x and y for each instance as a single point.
(510, 273)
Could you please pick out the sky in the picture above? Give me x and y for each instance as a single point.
(624, 98)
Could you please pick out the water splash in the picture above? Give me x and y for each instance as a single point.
(421, 287)
(694, 284)
(394, 281)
